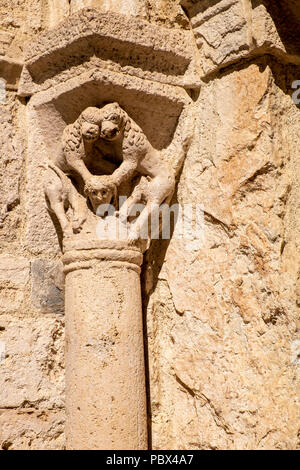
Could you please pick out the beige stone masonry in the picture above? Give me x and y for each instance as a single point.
(10, 71)
(230, 30)
(113, 42)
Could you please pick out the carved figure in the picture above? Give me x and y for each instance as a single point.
(61, 195)
(100, 192)
(78, 149)
(131, 147)
(123, 150)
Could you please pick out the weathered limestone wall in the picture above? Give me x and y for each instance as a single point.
(31, 288)
(222, 320)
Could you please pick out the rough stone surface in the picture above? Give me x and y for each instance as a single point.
(11, 166)
(32, 374)
(228, 31)
(164, 12)
(222, 313)
(47, 290)
(222, 320)
(14, 277)
(29, 429)
(109, 41)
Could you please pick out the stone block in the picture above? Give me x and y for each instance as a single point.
(112, 42)
(228, 31)
(14, 277)
(47, 286)
(5, 40)
(28, 429)
(11, 165)
(32, 373)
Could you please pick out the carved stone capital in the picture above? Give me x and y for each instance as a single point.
(83, 253)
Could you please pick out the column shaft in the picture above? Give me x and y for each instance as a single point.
(105, 376)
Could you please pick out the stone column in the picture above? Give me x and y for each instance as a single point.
(105, 376)
(103, 245)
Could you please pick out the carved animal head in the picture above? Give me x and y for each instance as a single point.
(90, 124)
(102, 192)
(113, 121)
